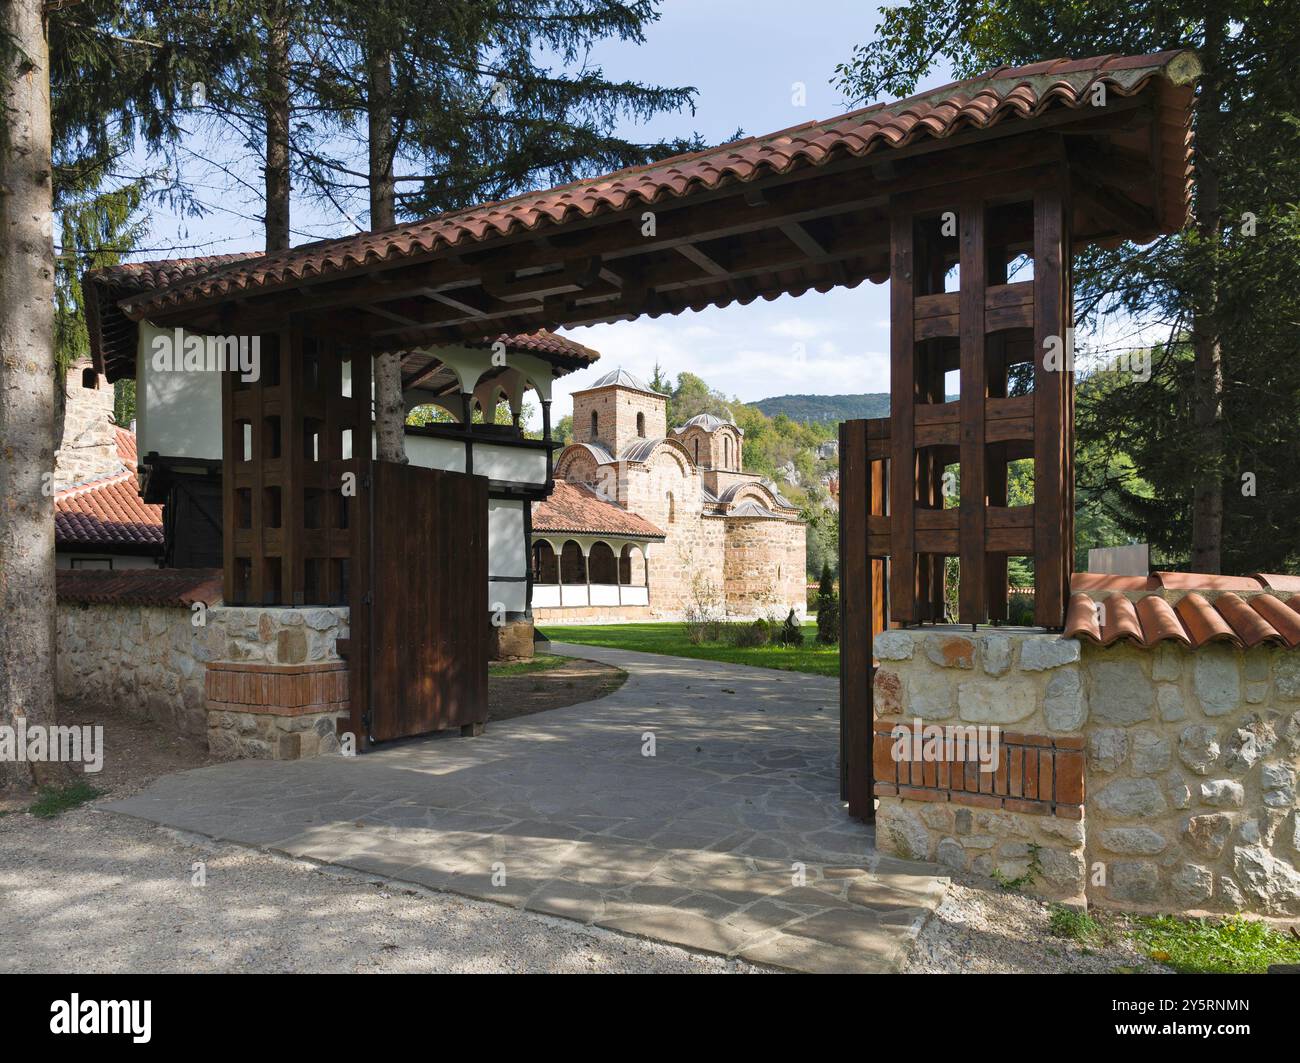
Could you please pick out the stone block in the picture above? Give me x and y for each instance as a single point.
(950, 651)
(1169, 700)
(1040, 652)
(929, 696)
(1277, 780)
(1216, 679)
(951, 854)
(1005, 700)
(1166, 662)
(1121, 693)
(1151, 752)
(1132, 798)
(1107, 749)
(1133, 841)
(1223, 793)
(1273, 883)
(1286, 676)
(1064, 704)
(888, 693)
(1192, 884)
(1198, 748)
(901, 832)
(893, 646)
(996, 654)
(1135, 880)
(291, 646)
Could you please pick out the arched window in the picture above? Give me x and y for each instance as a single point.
(697, 450)
(726, 452)
(89, 378)
(546, 566)
(672, 508)
(602, 565)
(595, 425)
(640, 425)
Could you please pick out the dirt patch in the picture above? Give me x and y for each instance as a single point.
(135, 753)
(570, 683)
(981, 929)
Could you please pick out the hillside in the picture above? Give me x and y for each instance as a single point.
(826, 408)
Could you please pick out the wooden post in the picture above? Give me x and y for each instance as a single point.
(972, 607)
(902, 398)
(1052, 464)
(855, 622)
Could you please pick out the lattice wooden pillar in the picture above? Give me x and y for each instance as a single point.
(984, 329)
(284, 440)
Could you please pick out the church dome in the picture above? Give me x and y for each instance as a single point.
(621, 378)
(709, 423)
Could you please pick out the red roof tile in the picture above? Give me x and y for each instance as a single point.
(108, 512)
(140, 586)
(577, 509)
(1089, 582)
(1006, 94)
(1192, 620)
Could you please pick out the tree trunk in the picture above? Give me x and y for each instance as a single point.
(390, 410)
(275, 106)
(27, 383)
(1207, 376)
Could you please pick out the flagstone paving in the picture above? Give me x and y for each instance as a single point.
(730, 838)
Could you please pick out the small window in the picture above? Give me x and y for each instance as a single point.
(89, 378)
(672, 508)
(640, 425)
(595, 425)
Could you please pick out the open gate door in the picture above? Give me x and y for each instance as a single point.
(863, 590)
(418, 648)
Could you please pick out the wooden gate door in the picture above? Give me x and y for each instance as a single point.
(420, 605)
(864, 544)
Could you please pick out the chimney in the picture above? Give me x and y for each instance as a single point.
(88, 449)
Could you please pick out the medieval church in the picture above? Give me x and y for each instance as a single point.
(645, 521)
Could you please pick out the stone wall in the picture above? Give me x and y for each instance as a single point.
(147, 661)
(1192, 761)
(764, 566)
(1191, 767)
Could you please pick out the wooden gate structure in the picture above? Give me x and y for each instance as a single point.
(405, 548)
(1037, 161)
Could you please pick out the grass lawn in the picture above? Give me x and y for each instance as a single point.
(671, 639)
(543, 662)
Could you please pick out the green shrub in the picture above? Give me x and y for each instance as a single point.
(1020, 610)
(746, 635)
(828, 620)
(826, 585)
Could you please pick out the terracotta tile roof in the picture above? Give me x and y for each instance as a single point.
(1187, 608)
(545, 343)
(113, 336)
(126, 448)
(108, 512)
(577, 509)
(140, 586)
(1007, 94)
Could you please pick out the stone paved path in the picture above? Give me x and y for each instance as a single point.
(562, 813)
